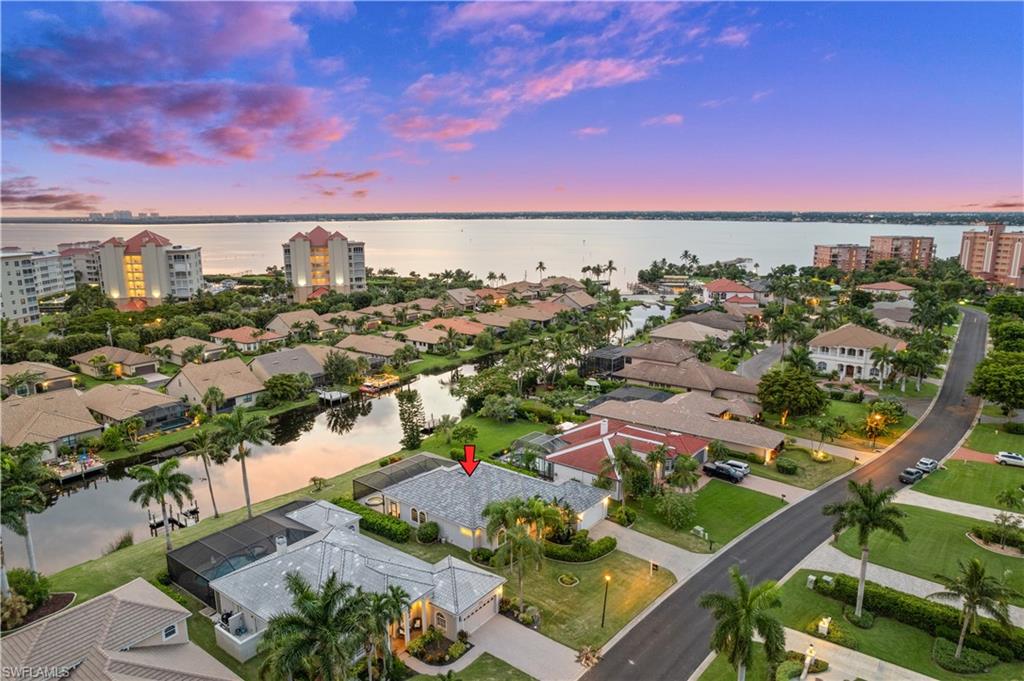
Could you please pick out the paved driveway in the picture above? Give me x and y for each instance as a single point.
(681, 562)
(539, 656)
(756, 366)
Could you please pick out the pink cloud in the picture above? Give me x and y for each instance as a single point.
(761, 94)
(457, 147)
(665, 119)
(360, 193)
(343, 175)
(476, 15)
(717, 103)
(25, 193)
(735, 36)
(441, 129)
(590, 132)
(585, 74)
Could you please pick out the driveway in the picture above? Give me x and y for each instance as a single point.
(681, 562)
(756, 366)
(539, 656)
(774, 488)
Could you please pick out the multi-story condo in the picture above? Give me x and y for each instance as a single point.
(319, 261)
(994, 254)
(19, 301)
(846, 257)
(85, 260)
(909, 250)
(148, 267)
(55, 273)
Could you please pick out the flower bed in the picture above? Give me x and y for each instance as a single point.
(433, 648)
(568, 579)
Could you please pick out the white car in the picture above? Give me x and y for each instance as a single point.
(926, 465)
(1010, 459)
(738, 465)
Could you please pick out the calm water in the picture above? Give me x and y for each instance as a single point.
(509, 246)
(87, 518)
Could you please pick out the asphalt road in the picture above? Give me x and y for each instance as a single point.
(756, 366)
(672, 641)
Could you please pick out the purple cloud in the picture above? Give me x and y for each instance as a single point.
(25, 193)
(664, 119)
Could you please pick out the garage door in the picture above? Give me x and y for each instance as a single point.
(480, 613)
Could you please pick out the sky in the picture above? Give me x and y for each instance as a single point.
(239, 108)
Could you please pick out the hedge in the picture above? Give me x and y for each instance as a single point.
(428, 533)
(1014, 428)
(969, 662)
(934, 618)
(32, 586)
(786, 466)
(378, 523)
(990, 535)
(571, 554)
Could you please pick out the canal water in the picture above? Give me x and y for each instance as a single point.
(85, 518)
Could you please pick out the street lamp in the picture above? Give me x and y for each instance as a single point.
(809, 658)
(604, 608)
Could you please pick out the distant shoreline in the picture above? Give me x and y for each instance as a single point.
(879, 218)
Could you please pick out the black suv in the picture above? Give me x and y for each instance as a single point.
(720, 470)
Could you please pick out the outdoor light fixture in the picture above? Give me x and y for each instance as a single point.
(604, 608)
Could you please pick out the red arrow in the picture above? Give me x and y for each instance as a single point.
(470, 463)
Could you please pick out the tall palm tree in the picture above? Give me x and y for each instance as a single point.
(491, 277)
(502, 278)
(133, 427)
(541, 268)
(741, 342)
(376, 612)
(503, 515)
(685, 473)
(868, 511)
(799, 358)
(783, 329)
(520, 551)
(656, 459)
(444, 427)
(317, 637)
(157, 484)
(209, 449)
(881, 358)
(623, 463)
(212, 399)
(705, 349)
(739, 616)
(902, 364)
(235, 430)
(977, 591)
(543, 516)
(609, 268)
(23, 474)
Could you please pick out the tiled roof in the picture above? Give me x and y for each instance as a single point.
(45, 417)
(691, 374)
(289, 319)
(726, 286)
(665, 351)
(247, 334)
(687, 332)
(715, 406)
(231, 375)
(133, 245)
(425, 304)
(298, 360)
(461, 325)
(741, 300)
(49, 372)
(462, 296)
(114, 355)
(853, 336)
(123, 401)
(594, 441)
(724, 321)
(581, 298)
(885, 286)
(422, 334)
(495, 319)
(370, 345)
(181, 344)
(567, 282)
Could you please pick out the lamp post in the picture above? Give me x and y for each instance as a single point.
(809, 657)
(604, 608)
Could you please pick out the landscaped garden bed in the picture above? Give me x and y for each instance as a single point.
(812, 470)
(433, 648)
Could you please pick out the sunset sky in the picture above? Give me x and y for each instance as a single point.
(199, 108)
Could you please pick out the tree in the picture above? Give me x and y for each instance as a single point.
(999, 378)
(977, 591)
(339, 369)
(656, 459)
(209, 449)
(543, 516)
(24, 475)
(317, 638)
(376, 612)
(521, 551)
(881, 359)
(464, 433)
(410, 414)
(867, 511)
(828, 429)
(741, 342)
(132, 427)
(445, 426)
(678, 510)
(790, 392)
(783, 329)
(705, 349)
(686, 473)
(739, 616)
(541, 268)
(625, 465)
(484, 341)
(799, 358)
(504, 408)
(235, 430)
(14, 382)
(193, 353)
(212, 399)
(157, 484)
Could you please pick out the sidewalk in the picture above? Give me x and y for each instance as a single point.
(775, 488)
(909, 496)
(844, 663)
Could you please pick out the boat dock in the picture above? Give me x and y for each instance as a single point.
(331, 397)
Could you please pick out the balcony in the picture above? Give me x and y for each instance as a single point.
(242, 646)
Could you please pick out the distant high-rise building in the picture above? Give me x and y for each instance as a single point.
(55, 273)
(910, 250)
(85, 260)
(994, 254)
(846, 257)
(149, 267)
(320, 261)
(19, 299)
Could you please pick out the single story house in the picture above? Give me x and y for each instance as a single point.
(462, 298)
(114, 403)
(124, 362)
(301, 359)
(524, 290)
(377, 349)
(734, 408)
(247, 338)
(531, 314)
(455, 501)
(888, 287)
(349, 320)
(491, 296)
(385, 312)
(760, 287)
(687, 332)
(577, 300)
(240, 386)
(450, 595)
(848, 351)
(627, 393)
(723, 321)
(426, 307)
(663, 352)
(288, 323)
(38, 377)
(53, 419)
(461, 326)
(562, 284)
(131, 633)
(721, 290)
(691, 375)
(425, 339)
(178, 346)
(496, 321)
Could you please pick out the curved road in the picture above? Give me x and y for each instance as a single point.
(672, 641)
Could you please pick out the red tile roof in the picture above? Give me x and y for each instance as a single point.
(726, 286)
(318, 292)
(133, 305)
(76, 251)
(741, 300)
(244, 334)
(144, 238)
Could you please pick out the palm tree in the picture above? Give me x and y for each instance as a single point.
(741, 342)
(235, 430)
(799, 358)
(1010, 498)
(903, 364)
(782, 330)
(376, 612)
(738, 617)
(24, 475)
(193, 353)
(213, 398)
(541, 268)
(685, 474)
(623, 463)
(978, 591)
(520, 550)
(14, 382)
(502, 278)
(491, 277)
(444, 427)
(705, 349)
(156, 484)
(209, 449)
(132, 427)
(609, 268)
(881, 358)
(868, 511)
(543, 516)
(316, 638)
(656, 459)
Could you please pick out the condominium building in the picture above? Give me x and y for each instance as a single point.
(19, 298)
(909, 250)
(85, 260)
(846, 257)
(319, 261)
(55, 273)
(148, 267)
(994, 254)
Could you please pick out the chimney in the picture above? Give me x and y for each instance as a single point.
(604, 426)
(281, 542)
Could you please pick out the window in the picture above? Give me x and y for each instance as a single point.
(821, 366)
(423, 517)
(170, 631)
(412, 515)
(440, 620)
(499, 538)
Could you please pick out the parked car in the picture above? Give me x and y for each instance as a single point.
(926, 465)
(720, 470)
(1009, 459)
(911, 475)
(742, 467)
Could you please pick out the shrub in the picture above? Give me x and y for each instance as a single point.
(457, 650)
(678, 510)
(378, 523)
(976, 642)
(463, 635)
(124, 540)
(970, 661)
(819, 666)
(482, 555)
(569, 554)
(991, 535)
(854, 397)
(865, 621)
(427, 533)
(836, 395)
(387, 461)
(1014, 428)
(580, 542)
(13, 611)
(163, 577)
(34, 587)
(624, 516)
(788, 670)
(836, 634)
(786, 466)
(173, 594)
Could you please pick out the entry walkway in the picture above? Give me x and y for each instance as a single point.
(844, 663)
(909, 496)
(681, 562)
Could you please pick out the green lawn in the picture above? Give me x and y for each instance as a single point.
(887, 640)
(854, 413)
(813, 474)
(991, 438)
(993, 410)
(936, 541)
(492, 436)
(721, 670)
(484, 668)
(971, 481)
(928, 390)
(723, 509)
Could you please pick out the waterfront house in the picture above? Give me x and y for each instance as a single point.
(114, 403)
(53, 419)
(690, 375)
(462, 326)
(378, 350)
(451, 595)
(132, 633)
(302, 359)
(576, 300)
(39, 377)
(496, 321)
(178, 346)
(240, 386)
(729, 321)
(538, 313)
(847, 351)
(296, 321)
(721, 290)
(665, 353)
(888, 288)
(687, 332)
(463, 299)
(562, 284)
(425, 339)
(247, 338)
(524, 290)
(122, 363)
